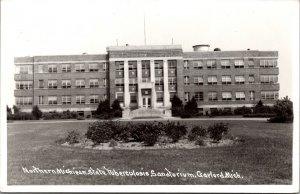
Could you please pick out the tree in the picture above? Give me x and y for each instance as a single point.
(36, 112)
(191, 106)
(16, 109)
(116, 105)
(8, 110)
(284, 111)
(176, 106)
(103, 107)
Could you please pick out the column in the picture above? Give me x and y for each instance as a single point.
(139, 81)
(126, 85)
(152, 71)
(152, 79)
(166, 85)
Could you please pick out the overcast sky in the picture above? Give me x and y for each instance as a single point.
(59, 27)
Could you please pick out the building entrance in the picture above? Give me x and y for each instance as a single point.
(146, 101)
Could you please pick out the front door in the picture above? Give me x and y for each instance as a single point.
(146, 102)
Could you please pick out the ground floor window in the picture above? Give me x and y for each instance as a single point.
(159, 97)
(133, 98)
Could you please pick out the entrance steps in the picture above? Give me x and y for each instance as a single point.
(146, 113)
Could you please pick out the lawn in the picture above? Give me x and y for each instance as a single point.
(264, 158)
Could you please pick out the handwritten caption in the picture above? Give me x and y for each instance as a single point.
(104, 171)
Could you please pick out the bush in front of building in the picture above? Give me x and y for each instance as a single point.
(101, 132)
(60, 115)
(191, 107)
(36, 112)
(105, 111)
(196, 132)
(73, 137)
(217, 131)
(175, 131)
(177, 106)
(260, 115)
(284, 111)
(21, 116)
(242, 110)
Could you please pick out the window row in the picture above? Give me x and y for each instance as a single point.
(79, 99)
(226, 64)
(23, 85)
(79, 83)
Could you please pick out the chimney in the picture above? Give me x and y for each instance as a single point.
(201, 47)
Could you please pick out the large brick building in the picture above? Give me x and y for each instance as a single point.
(144, 79)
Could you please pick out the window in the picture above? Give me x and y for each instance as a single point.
(212, 80)
(172, 64)
(225, 64)
(251, 79)
(186, 80)
(66, 99)
(133, 98)
(199, 96)
(239, 63)
(186, 65)
(212, 96)
(145, 64)
(94, 99)
(268, 63)
(119, 65)
(226, 79)
(132, 65)
(104, 82)
(80, 99)
(41, 83)
(158, 65)
(239, 79)
(198, 80)
(197, 64)
(24, 69)
(132, 81)
(211, 64)
(226, 96)
(41, 99)
(269, 95)
(93, 67)
(251, 62)
(159, 81)
(24, 100)
(80, 83)
(41, 68)
(79, 68)
(240, 96)
(104, 66)
(120, 97)
(94, 83)
(66, 83)
(252, 95)
(172, 81)
(52, 68)
(159, 97)
(52, 84)
(186, 96)
(23, 85)
(268, 79)
(52, 100)
(119, 82)
(66, 68)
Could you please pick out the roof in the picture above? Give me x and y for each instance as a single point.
(234, 54)
(143, 47)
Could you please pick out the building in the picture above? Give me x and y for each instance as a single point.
(145, 78)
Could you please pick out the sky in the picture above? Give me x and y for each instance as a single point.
(62, 27)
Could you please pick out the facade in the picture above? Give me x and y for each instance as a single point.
(145, 78)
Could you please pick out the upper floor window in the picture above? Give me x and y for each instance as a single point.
(240, 96)
(119, 82)
(199, 96)
(52, 84)
(145, 64)
(239, 63)
(93, 67)
(52, 100)
(251, 62)
(66, 99)
(80, 83)
(79, 68)
(225, 64)
(52, 68)
(172, 81)
(41, 68)
(132, 65)
(119, 65)
(251, 79)
(186, 64)
(120, 97)
(94, 83)
(132, 81)
(172, 64)
(66, 83)
(268, 79)
(104, 66)
(66, 68)
(158, 65)
(159, 81)
(269, 95)
(80, 99)
(226, 79)
(23, 85)
(198, 80)
(186, 96)
(94, 99)
(104, 82)
(226, 96)
(239, 79)
(198, 64)
(268, 63)
(186, 80)
(23, 100)
(212, 96)
(211, 64)
(212, 80)
(24, 69)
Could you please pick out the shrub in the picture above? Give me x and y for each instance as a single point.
(21, 116)
(200, 141)
(173, 131)
(186, 114)
(103, 107)
(36, 112)
(197, 132)
(176, 106)
(284, 111)
(116, 106)
(242, 110)
(73, 137)
(80, 118)
(262, 115)
(217, 131)
(118, 113)
(176, 111)
(191, 106)
(16, 109)
(150, 133)
(112, 143)
(101, 132)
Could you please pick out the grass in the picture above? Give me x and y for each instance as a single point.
(264, 158)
